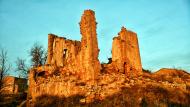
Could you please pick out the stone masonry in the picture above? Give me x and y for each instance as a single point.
(80, 57)
(61, 51)
(88, 57)
(125, 53)
(13, 85)
(71, 62)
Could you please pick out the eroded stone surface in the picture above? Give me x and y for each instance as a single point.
(79, 57)
(73, 68)
(125, 53)
(61, 51)
(89, 45)
(13, 85)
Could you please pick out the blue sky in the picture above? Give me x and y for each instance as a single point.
(163, 27)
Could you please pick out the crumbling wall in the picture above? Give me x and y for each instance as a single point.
(63, 85)
(125, 52)
(61, 51)
(50, 48)
(13, 85)
(80, 57)
(78, 61)
(88, 57)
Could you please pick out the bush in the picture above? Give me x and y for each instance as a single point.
(146, 70)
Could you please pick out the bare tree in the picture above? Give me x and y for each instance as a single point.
(4, 66)
(22, 68)
(38, 55)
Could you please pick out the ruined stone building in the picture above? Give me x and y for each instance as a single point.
(78, 61)
(82, 56)
(78, 56)
(13, 85)
(125, 53)
(74, 77)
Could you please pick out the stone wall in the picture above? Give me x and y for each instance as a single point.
(79, 57)
(13, 85)
(62, 85)
(61, 50)
(76, 62)
(125, 52)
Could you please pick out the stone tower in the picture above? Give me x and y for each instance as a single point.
(125, 53)
(89, 45)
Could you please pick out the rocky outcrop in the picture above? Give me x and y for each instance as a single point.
(125, 53)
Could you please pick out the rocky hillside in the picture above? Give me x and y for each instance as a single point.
(115, 89)
(171, 72)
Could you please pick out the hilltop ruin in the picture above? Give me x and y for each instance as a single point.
(78, 61)
(81, 57)
(73, 75)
